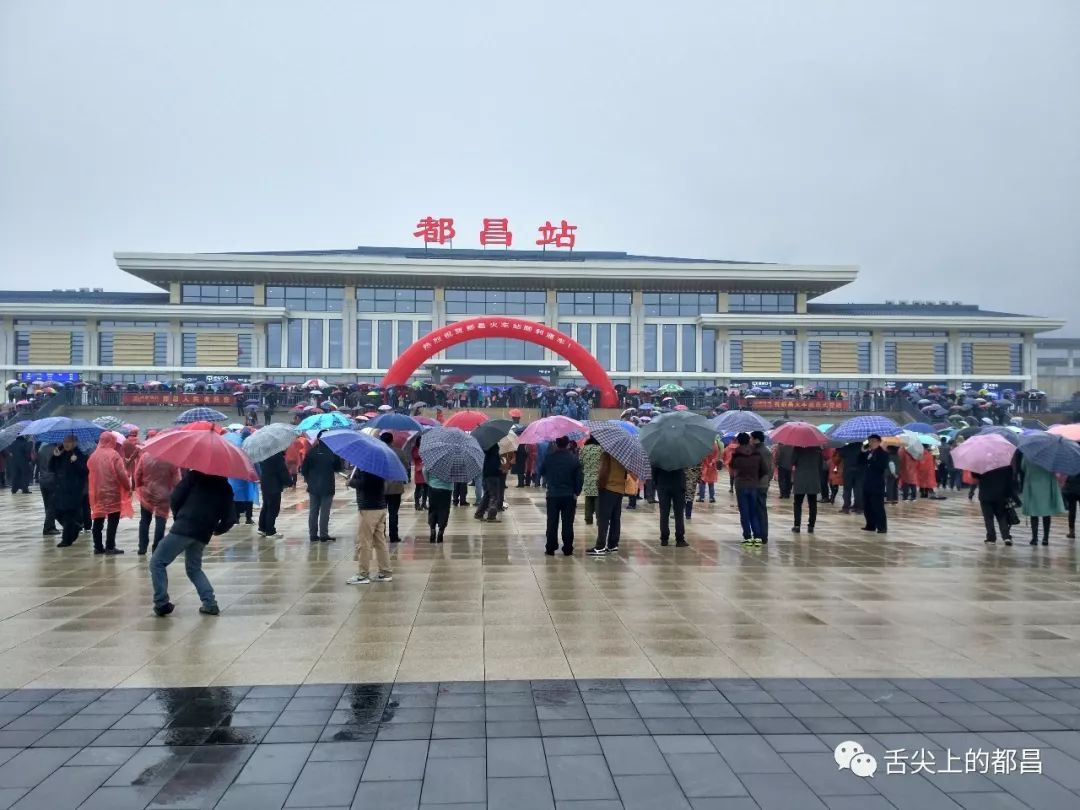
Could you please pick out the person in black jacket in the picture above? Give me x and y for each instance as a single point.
(670, 488)
(68, 467)
(1070, 491)
(47, 485)
(202, 507)
(853, 456)
(20, 464)
(874, 463)
(996, 489)
(273, 479)
(320, 468)
(564, 477)
(492, 499)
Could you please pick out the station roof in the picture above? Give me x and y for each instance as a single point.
(904, 308)
(495, 254)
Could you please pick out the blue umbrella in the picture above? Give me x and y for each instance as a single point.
(366, 453)
(857, 429)
(200, 415)
(740, 422)
(629, 427)
(54, 429)
(1051, 452)
(394, 421)
(9, 434)
(919, 427)
(324, 421)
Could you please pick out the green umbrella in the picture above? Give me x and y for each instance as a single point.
(461, 387)
(670, 388)
(678, 439)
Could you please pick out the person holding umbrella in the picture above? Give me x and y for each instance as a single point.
(564, 483)
(394, 489)
(110, 493)
(320, 468)
(805, 485)
(1041, 495)
(757, 441)
(874, 462)
(611, 482)
(371, 531)
(68, 467)
(19, 464)
(997, 487)
(273, 479)
(154, 482)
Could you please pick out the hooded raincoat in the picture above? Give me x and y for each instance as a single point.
(110, 485)
(154, 483)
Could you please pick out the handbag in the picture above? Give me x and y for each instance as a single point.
(1011, 515)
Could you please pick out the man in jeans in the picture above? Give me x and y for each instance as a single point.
(202, 507)
(564, 482)
(371, 502)
(757, 441)
(491, 499)
(320, 468)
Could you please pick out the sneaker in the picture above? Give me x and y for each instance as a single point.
(261, 533)
(493, 520)
(757, 541)
(990, 540)
(1008, 541)
(99, 551)
(47, 532)
(810, 529)
(249, 522)
(747, 541)
(357, 579)
(276, 535)
(384, 578)
(796, 529)
(568, 552)
(612, 550)
(114, 551)
(596, 552)
(549, 553)
(1046, 541)
(663, 541)
(1071, 535)
(209, 610)
(164, 610)
(327, 539)
(681, 544)
(64, 544)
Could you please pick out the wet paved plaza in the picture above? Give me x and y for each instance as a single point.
(489, 675)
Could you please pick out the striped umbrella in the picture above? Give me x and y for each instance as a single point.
(108, 422)
(451, 454)
(857, 429)
(740, 422)
(622, 446)
(200, 415)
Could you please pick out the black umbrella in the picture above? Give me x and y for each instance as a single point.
(488, 434)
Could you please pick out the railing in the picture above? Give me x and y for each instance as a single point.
(46, 408)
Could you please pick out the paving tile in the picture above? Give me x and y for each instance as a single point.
(275, 764)
(325, 784)
(633, 756)
(520, 793)
(581, 777)
(516, 757)
(704, 775)
(396, 761)
(28, 768)
(780, 791)
(455, 781)
(65, 788)
(255, 797)
(133, 797)
(649, 792)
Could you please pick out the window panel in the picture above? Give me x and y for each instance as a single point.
(386, 343)
(669, 347)
(584, 335)
(217, 294)
(689, 347)
(273, 345)
(650, 347)
(308, 299)
(761, 302)
(404, 335)
(243, 351)
(363, 344)
(334, 328)
(315, 343)
(603, 345)
(495, 302)
(708, 350)
(296, 343)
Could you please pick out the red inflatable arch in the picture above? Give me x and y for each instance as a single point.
(502, 327)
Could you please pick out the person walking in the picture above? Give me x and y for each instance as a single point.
(909, 475)
(785, 457)
(202, 507)
(612, 481)
(68, 467)
(836, 475)
(20, 463)
(746, 466)
(371, 529)
(565, 480)
(439, 493)
(757, 441)
(874, 464)
(393, 490)
(805, 484)
(1070, 492)
(154, 482)
(709, 475)
(1041, 496)
(320, 468)
(852, 456)
(725, 459)
(670, 489)
(420, 484)
(110, 493)
(47, 488)
(490, 495)
(245, 496)
(590, 467)
(996, 489)
(693, 478)
(273, 479)
(269, 406)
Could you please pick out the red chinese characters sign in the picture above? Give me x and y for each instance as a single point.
(495, 231)
(800, 404)
(176, 399)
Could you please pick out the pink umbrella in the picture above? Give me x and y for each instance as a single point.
(799, 434)
(682, 408)
(1068, 431)
(550, 428)
(983, 453)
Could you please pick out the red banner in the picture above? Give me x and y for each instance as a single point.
(800, 404)
(165, 398)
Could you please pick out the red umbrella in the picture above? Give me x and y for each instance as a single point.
(202, 450)
(466, 420)
(799, 434)
(205, 426)
(426, 420)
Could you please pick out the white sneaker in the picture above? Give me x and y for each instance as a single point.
(384, 578)
(356, 579)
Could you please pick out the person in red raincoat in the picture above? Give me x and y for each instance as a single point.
(926, 471)
(726, 457)
(130, 451)
(709, 474)
(530, 466)
(294, 455)
(836, 474)
(154, 482)
(110, 493)
(909, 475)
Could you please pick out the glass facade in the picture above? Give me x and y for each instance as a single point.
(363, 344)
(308, 299)
(669, 333)
(495, 302)
(315, 343)
(580, 302)
(603, 345)
(217, 294)
(650, 344)
(296, 343)
(273, 345)
(682, 304)
(386, 343)
(334, 354)
(761, 302)
(689, 348)
(708, 350)
(378, 299)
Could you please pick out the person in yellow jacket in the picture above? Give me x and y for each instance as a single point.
(612, 483)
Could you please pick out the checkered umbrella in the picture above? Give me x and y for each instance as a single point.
(451, 454)
(200, 415)
(53, 429)
(857, 429)
(9, 434)
(1051, 452)
(740, 422)
(622, 446)
(108, 422)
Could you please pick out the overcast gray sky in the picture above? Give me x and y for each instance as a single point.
(935, 143)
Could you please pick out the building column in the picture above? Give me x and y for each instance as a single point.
(174, 292)
(551, 318)
(877, 356)
(175, 355)
(637, 335)
(7, 343)
(1030, 362)
(348, 329)
(802, 355)
(258, 344)
(90, 350)
(954, 357)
